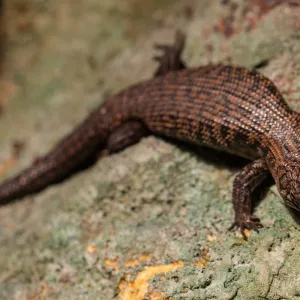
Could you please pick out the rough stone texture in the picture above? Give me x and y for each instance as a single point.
(150, 222)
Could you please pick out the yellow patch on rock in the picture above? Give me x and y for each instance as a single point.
(91, 249)
(112, 264)
(136, 290)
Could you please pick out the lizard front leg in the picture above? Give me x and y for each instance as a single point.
(244, 184)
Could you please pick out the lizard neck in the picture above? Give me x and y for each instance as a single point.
(282, 155)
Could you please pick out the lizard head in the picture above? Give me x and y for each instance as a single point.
(283, 159)
(288, 182)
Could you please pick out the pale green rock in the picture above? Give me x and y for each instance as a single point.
(74, 240)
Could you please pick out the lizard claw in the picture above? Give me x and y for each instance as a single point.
(176, 49)
(170, 58)
(164, 47)
(249, 222)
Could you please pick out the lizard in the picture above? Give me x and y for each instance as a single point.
(224, 107)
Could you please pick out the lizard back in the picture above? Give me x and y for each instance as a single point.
(223, 107)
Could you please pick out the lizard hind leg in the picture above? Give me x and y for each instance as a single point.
(126, 135)
(170, 60)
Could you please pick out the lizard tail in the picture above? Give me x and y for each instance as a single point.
(65, 158)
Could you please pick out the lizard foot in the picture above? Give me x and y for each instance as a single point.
(170, 59)
(243, 222)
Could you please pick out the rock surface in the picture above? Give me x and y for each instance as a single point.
(149, 222)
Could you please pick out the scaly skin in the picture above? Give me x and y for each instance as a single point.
(223, 107)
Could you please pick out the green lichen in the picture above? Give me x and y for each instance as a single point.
(74, 240)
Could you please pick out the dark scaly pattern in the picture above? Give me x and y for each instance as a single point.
(224, 107)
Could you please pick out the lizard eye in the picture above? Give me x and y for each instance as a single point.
(283, 180)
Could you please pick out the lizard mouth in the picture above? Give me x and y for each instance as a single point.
(291, 199)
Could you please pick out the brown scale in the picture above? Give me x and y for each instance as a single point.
(223, 107)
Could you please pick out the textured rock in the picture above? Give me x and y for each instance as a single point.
(149, 222)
